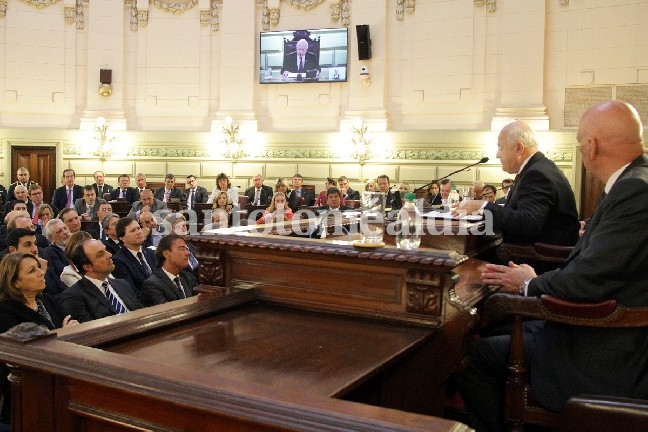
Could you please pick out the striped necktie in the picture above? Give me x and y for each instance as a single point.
(112, 298)
(142, 261)
(179, 286)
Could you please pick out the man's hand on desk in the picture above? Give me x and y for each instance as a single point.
(509, 278)
(468, 207)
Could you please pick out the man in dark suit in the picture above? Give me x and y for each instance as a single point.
(301, 61)
(169, 282)
(96, 295)
(333, 202)
(58, 234)
(21, 198)
(88, 206)
(146, 203)
(541, 205)
(109, 225)
(384, 186)
(66, 195)
(506, 188)
(259, 194)
(194, 193)
(95, 228)
(23, 179)
(610, 261)
(124, 190)
(169, 191)
(307, 195)
(99, 186)
(351, 194)
(132, 263)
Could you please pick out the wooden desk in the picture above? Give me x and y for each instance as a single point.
(312, 326)
(121, 207)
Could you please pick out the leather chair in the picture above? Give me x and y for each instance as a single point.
(520, 408)
(538, 252)
(602, 413)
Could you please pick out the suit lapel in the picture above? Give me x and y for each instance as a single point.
(93, 291)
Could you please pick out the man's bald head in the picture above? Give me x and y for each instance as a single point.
(610, 136)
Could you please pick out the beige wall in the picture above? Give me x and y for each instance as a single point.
(442, 80)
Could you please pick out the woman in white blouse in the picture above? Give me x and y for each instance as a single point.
(223, 184)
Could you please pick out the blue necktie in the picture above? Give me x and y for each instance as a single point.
(193, 262)
(114, 301)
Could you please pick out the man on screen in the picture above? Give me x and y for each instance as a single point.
(301, 61)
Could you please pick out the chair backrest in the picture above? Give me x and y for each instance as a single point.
(602, 413)
(243, 201)
(352, 203)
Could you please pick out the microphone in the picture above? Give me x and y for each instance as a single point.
(482, 160)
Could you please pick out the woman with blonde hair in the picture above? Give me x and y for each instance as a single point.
(222, 210)
(278, 210)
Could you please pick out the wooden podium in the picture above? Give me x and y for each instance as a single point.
(313, 336)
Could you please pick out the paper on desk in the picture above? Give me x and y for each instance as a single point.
(448, 215)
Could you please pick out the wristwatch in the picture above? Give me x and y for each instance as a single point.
(524, 286)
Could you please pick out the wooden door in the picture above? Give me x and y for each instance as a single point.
(41, 163)
(590, 194)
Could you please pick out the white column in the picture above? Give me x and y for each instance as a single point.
(105, 50)
(522, 34)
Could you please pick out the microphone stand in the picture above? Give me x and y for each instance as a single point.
(445, 177)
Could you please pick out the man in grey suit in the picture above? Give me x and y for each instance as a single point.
(146, 203)
(610, 261)
(97, 295)
(169, 282)
(194, 193)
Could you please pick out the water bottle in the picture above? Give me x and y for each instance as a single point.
(453, 198)
(409, 225)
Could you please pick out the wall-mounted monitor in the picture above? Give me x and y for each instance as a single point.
(303, 56)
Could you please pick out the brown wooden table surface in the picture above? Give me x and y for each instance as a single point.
(281, 347)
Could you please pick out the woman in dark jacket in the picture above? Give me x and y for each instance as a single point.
(22, 281)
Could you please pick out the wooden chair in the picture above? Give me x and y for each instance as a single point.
(520, 408)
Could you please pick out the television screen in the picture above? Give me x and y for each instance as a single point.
(303, 56)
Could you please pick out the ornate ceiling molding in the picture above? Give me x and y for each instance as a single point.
(491, 5)
(73, 13)
(39, 4)
(338, 9)
(404, 5)
(174, 6)
(304, 4)
(3, 8)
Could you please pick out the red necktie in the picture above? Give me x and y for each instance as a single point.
(167, 194)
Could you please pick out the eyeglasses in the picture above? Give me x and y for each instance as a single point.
(506, 187)
(36, 193)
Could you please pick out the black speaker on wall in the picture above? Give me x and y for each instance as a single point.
(364, 42)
